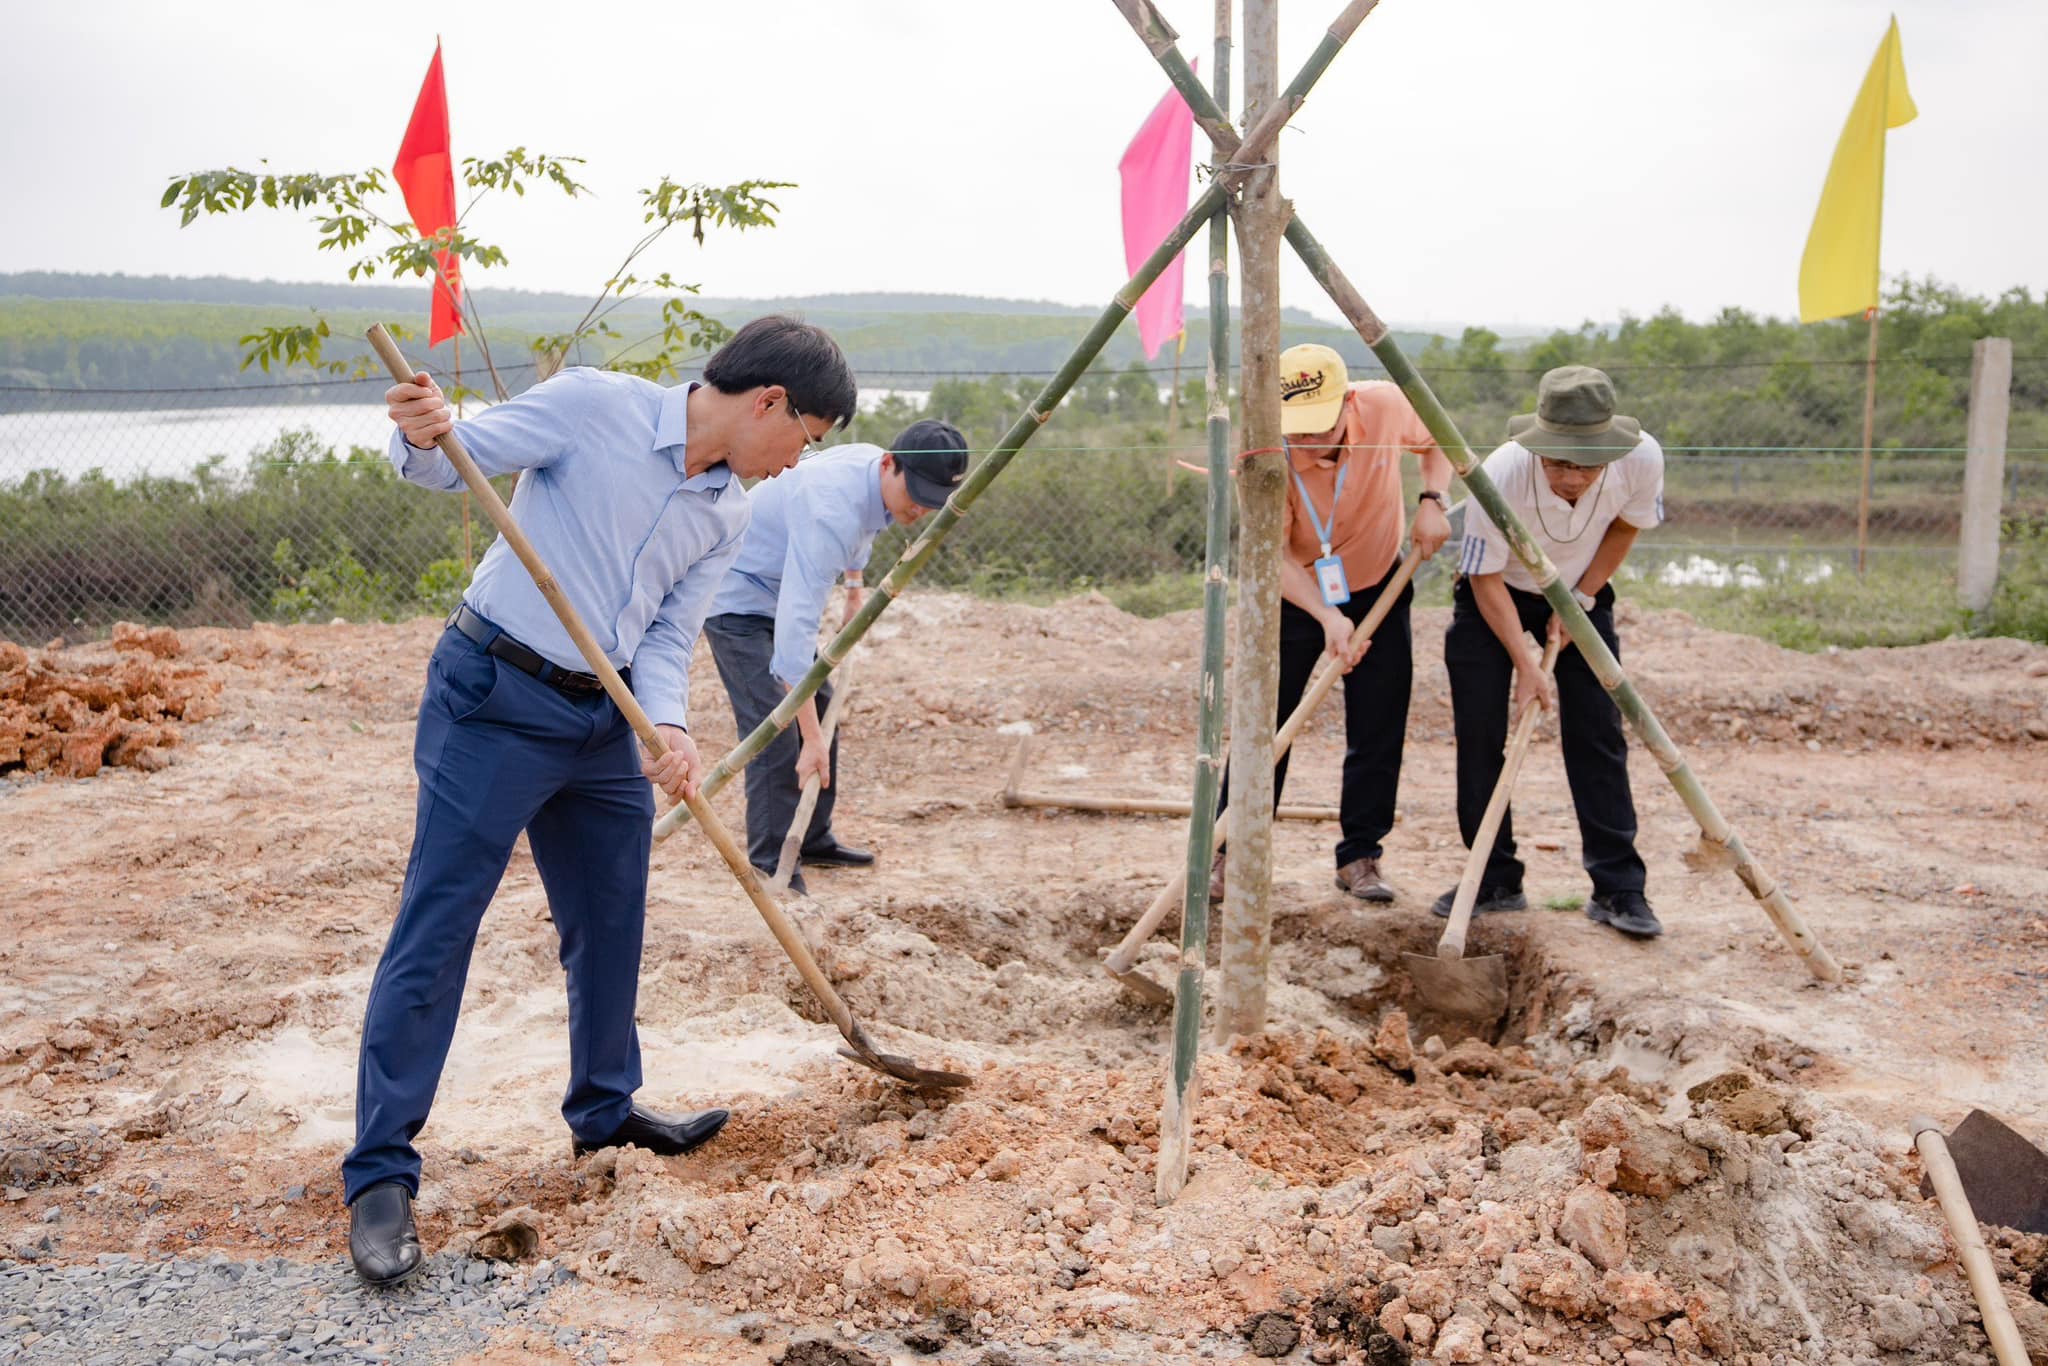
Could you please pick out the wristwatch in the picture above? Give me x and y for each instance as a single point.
(1431, 494)
(1585, 600)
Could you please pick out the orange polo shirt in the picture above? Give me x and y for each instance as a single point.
(1378, 424)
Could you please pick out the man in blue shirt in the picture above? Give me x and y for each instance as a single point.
(631, 494)
(809, 526)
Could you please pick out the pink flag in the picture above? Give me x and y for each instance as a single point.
(1155, 176)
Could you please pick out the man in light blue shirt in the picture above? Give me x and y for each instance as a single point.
(809, 526)
(631, 494)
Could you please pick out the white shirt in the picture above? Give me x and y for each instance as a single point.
(1630, 489)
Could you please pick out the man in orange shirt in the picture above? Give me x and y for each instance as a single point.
(1345, 517)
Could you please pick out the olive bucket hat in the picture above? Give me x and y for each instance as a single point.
(1575, 419)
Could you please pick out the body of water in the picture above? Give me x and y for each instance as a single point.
(172, 441)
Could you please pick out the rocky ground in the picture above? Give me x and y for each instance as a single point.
(1679, 1151)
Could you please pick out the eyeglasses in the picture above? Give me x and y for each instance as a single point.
(810, 447)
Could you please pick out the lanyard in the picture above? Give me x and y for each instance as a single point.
(1323, 528)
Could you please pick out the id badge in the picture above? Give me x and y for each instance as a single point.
(1330, 578)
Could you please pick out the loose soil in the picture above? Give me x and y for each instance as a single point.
(1684, 1150)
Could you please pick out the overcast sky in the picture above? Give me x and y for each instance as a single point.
(1465, 159)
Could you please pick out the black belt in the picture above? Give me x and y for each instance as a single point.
(523, 657)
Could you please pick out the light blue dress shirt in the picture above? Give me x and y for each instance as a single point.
(810, 523)
(635, 544)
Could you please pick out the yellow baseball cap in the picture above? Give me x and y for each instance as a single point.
(1312, 383)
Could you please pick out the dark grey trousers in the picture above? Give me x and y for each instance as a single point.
(742, 646)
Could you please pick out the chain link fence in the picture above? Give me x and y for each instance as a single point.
(194, 507)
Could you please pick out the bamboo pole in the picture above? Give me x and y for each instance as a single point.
(1118, 964)
(1144, 806)
(1016, 798)
(1259, 216)
(1158, 36)
(1177, 1108)
(1869, 429)
(807, 803)
(941, 523)
(1719, 841)
(2006, 1344)
(1718, 838)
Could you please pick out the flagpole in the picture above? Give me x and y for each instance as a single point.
(468, 551)
(1869, 423)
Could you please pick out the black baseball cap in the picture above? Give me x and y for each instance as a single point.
(933, 458)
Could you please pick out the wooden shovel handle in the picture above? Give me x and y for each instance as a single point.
(1970, 1250)
(1452, 945)
(800, 824)
(572, 621)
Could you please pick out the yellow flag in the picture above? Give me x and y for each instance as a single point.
(1838, 273)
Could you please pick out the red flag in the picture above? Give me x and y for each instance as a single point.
(425, 173)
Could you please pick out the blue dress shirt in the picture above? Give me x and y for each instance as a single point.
(635, 544)
(810, 523)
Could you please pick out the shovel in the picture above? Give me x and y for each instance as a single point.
(2006, 1176)
(1119, 963)
(858, 1048)
(1947, 1184)
(800, 824)
(1450, 983)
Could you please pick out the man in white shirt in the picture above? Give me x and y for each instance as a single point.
(1584, 482)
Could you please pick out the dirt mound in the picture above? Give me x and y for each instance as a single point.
(71, 717)
(178, 1039)
(1503, 1212)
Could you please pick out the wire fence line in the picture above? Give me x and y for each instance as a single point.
(226, 506)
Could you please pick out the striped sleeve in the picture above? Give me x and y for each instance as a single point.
(1484, 549)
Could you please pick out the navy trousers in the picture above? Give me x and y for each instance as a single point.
(498, 751)
(1589, 731)
(742, 643)
(1375, 715)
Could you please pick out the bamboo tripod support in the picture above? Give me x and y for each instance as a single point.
(940, 524)
(1718, 839)
(807, 804)
(1118, 964)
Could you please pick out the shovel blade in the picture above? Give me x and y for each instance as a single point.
(1144, 988)
(861, 1049)
(2005, 1176)
(1465, 988)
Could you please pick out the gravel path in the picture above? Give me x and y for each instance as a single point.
(121, 1310)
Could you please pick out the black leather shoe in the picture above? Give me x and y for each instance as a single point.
(833, 854)
(381, 1238)
(1491, 899)
(1628, 912)
(669, 1135)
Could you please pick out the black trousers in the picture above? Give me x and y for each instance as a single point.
(742, 644)
(1375, 715)
(1589, 728)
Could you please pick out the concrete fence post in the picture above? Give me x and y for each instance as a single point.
(1984, 472)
